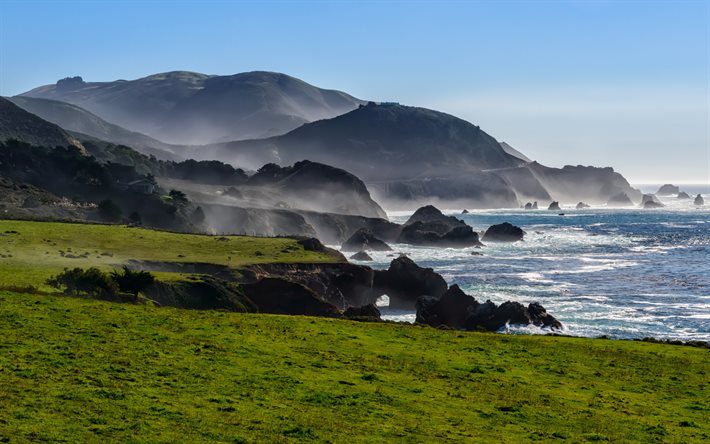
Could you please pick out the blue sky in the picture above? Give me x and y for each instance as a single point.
(609, 83)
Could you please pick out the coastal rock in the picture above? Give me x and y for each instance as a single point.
(504, 232)
(404, 282)
(368, 312)
(430, 227)
(683, 195)
(458, 310)
(364, 240)
(361, 256)
(699, 200)
(531, 206)
(581, 205)
(280, 296)
(554, 206)
(650, 201)
(649, 204)
(668, 190)
(621, 200)
(465, 211)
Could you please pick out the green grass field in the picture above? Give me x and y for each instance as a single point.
(31, 252)
(75, 370)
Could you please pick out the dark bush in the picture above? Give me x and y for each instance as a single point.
(132, 281)
(92, 282)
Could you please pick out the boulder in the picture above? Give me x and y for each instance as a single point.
(363, 240)
(668, 190)
(458, 310)
(649, 204)
(621, 200)
(699, 200)
(361, 256)
(404, 282)
(368, 312)
(281, 296)
(465, 211)
(554, 206)
(504, 232)
(683, 195)
(581, 205)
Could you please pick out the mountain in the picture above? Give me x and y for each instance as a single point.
(78, 120)
(188, 108)
(18, 124)
(387, 142)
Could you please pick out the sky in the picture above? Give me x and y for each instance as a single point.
(607, 83)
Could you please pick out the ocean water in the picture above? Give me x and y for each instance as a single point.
(624, 273)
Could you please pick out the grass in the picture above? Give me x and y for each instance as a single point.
(31, 252)
(75, 370)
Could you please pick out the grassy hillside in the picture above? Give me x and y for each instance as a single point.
(31, 252)
(74, 370)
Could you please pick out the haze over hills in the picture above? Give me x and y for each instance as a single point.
(78, 120)
(188, 108)
(18, 124)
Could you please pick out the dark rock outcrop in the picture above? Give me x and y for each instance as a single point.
(361, 256)
(531, 206)
(458, 310)
(404, 282)
(280, 296)
(368, 312)
(465, 211)
(554, 206)
(581, 205)
(699, 200)
(364, 240)
(430, 227)
(505, 232)
(668, 190)
(621, 200)
(683, 195)
(649, 204)
(206, 293)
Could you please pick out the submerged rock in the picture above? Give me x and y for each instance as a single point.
(668, 190)
(363, 240)
(554, 206)
(581, 205)
(683, 195)
(361, 256)
(458, 310)
(699, 200)
(504, 232)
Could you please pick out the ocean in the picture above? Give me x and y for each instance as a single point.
(619, 272)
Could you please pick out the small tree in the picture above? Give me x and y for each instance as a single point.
(178, 197)
(131, 281)
(109, 211)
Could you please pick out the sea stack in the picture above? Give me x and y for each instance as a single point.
(668, 190)
(554, 206)
(699, 200)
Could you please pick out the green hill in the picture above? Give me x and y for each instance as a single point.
(74, 370)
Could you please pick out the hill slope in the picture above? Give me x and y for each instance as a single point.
(190, 108)
(18, 124)
(73, 118)
(77, 370)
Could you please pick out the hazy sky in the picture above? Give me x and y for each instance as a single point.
(609, 83)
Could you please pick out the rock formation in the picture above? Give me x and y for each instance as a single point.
(668, 190)
(504, 232)
(554, 206)
(404, 282)
(650, 201)
(683, 195)
(620, 200)
(361, 256)
(458, 310)
(430, 227)
(364, 240)
(581, 205)
(699, 200)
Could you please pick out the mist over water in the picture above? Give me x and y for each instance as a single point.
(625, 273)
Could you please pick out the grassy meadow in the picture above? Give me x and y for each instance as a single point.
(76, 370)
(31, 252)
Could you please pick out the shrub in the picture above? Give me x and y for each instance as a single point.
(91, 281)
(178, 197)
(131, 281)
